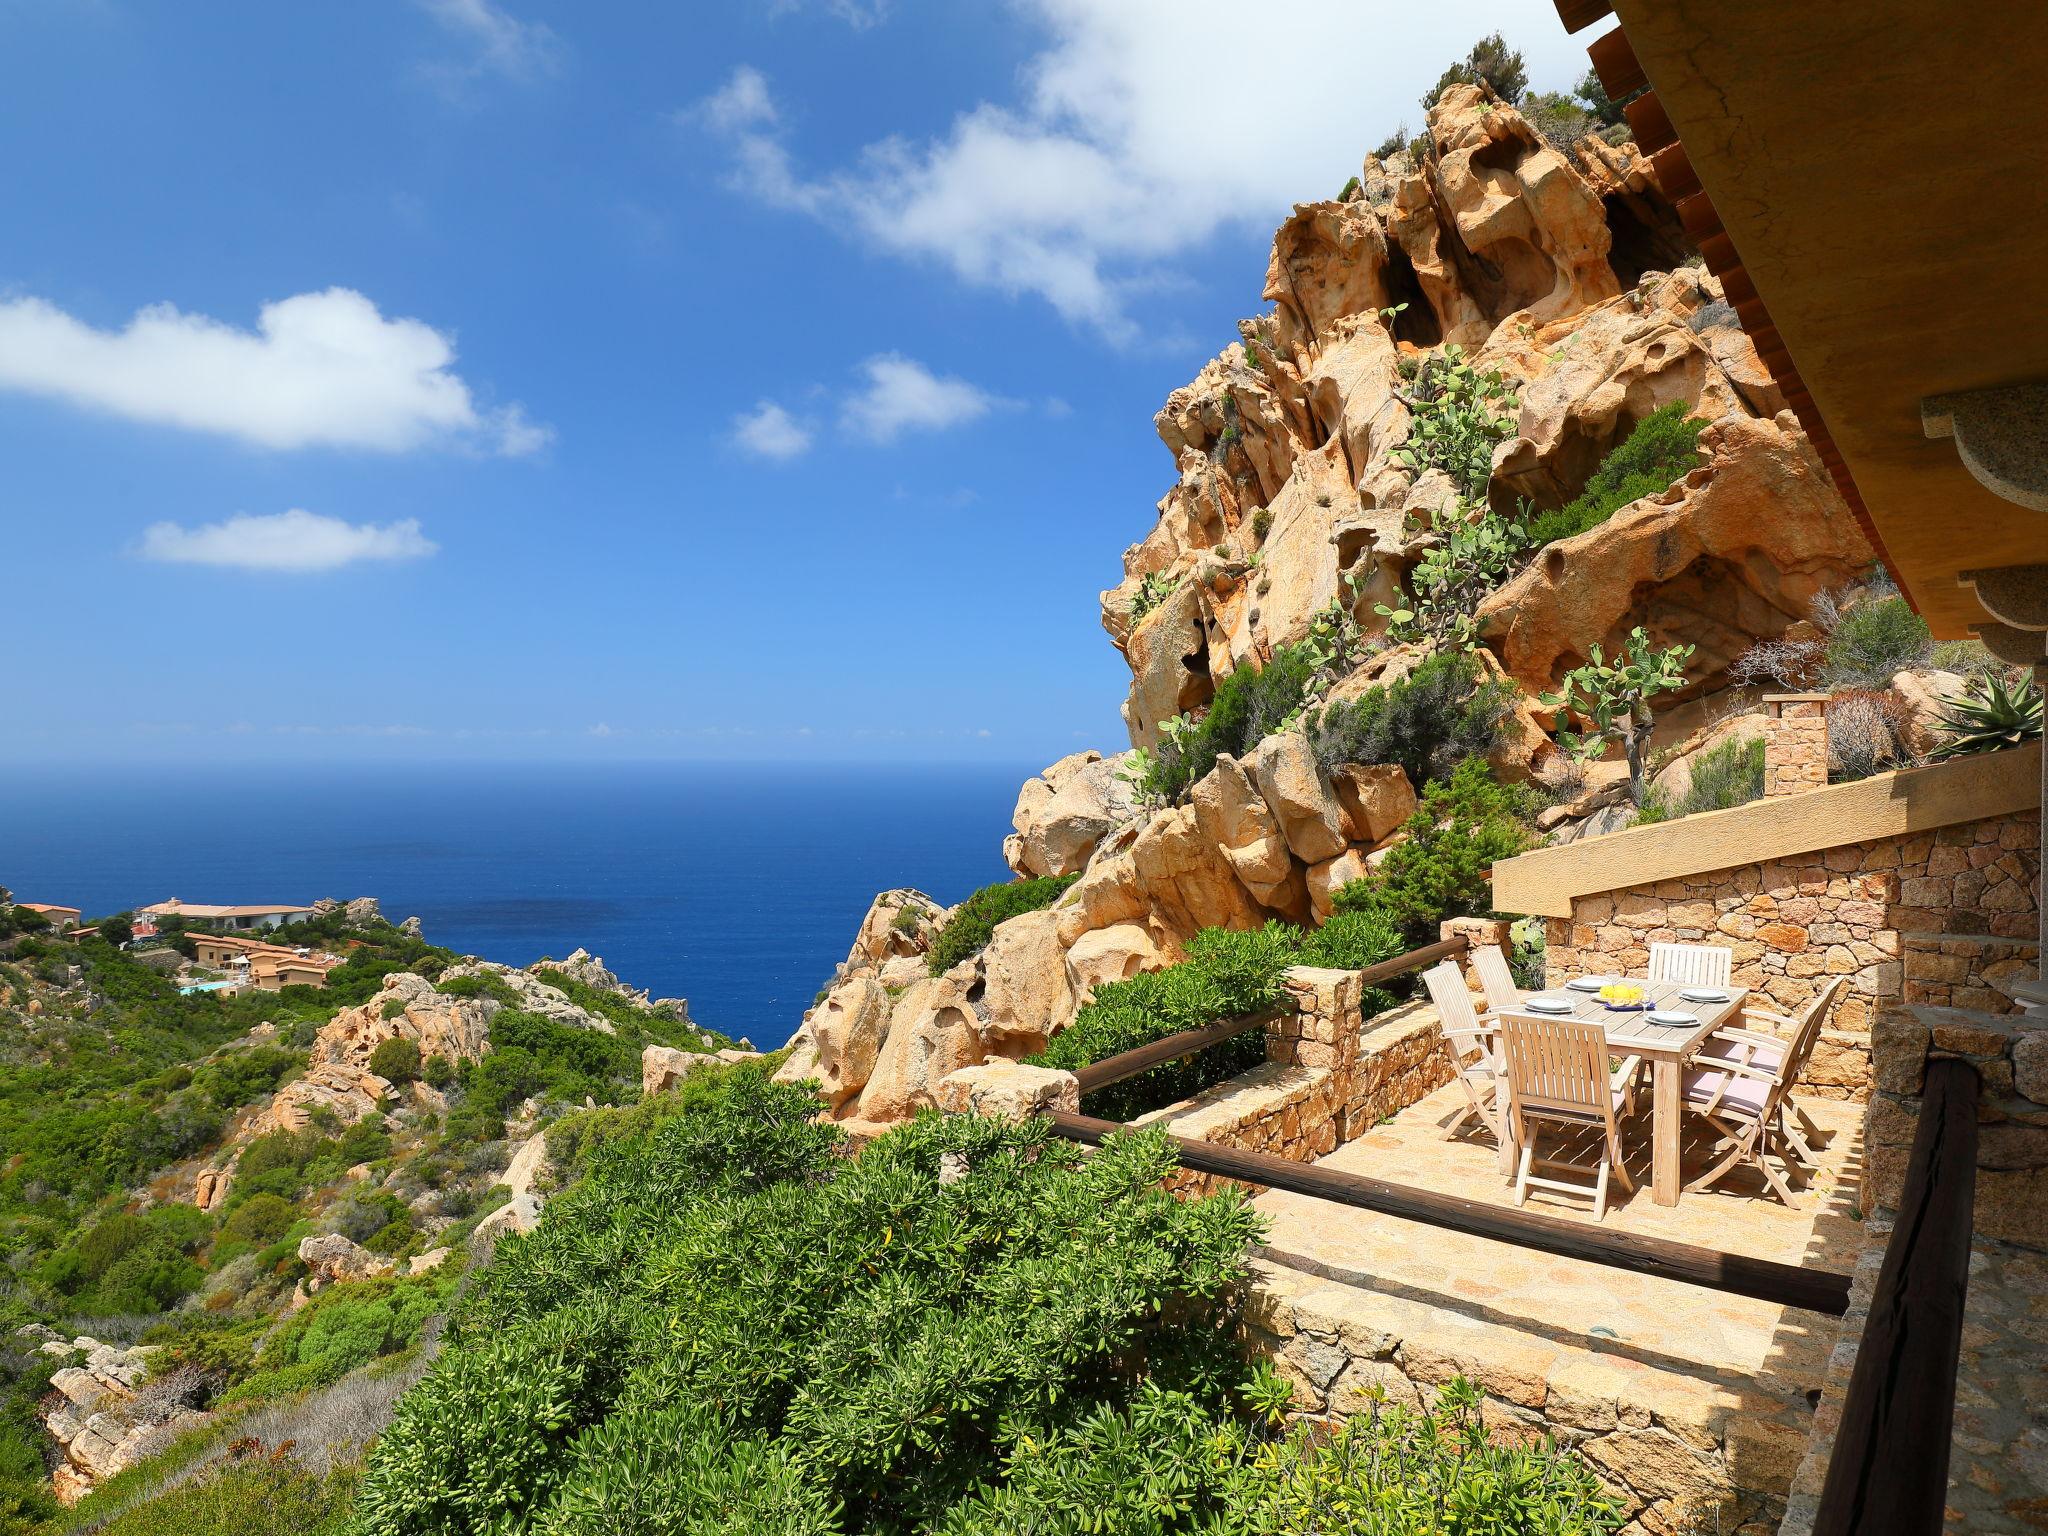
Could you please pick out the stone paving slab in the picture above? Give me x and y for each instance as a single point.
(1693, 1404)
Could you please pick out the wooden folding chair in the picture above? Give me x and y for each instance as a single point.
(1783, 1055)
(1556, 1072)
(1496, 980)
(1472, 1042)
(1692, 965)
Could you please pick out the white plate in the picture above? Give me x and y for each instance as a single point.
(1671, 1016)
(1587, 983)
(1703, 994)
(1548, 1004)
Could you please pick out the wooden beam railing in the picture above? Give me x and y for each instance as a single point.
(1889, 1470)
(1125, 1064)
(1815, 1290)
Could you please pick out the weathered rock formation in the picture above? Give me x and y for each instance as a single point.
(106, 1415)
(1568, 275)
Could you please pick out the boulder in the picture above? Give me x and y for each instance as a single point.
(1027, 996)
(933, 1032)
(330, 1256)
(363, 910)
(846, 1032)
(1923, 695)
(1673, 781)
(663, 1067)
(1064, 813)
(898, 924)
(1233, 815)
(1300, 797)
(1375, 799)
(1185, 880)
(1734, 553)
(1331, 876)
(1008, 1090)
(1115, 953)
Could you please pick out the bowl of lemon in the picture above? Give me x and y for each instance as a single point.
(1624, 996)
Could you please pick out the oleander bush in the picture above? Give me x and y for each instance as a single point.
(973, 922)
(1661, 450)
(730, 1325)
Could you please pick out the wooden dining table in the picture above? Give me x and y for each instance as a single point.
(1664, 1046)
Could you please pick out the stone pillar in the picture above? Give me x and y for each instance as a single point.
(1795, 742)
(1323, 1027)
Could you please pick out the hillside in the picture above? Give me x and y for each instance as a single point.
(215, 1200)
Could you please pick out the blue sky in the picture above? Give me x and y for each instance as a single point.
(411, 379)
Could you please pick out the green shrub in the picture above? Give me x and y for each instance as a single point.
(257, 1495)
(1170, 1464)
(1875, 640)
(1461, 829)
(1392, 1472)
(480, 984)
(1249, 705)
(396, 1060)
(728, 1315)
(394, 1008)
(1724, 776)
(257, 1222)
(1427, 722)
(973, 922)
(344, 1326)
(1662, 449)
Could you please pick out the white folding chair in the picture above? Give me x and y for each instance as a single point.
(1692, 965)
(1556, 1071)
(1496, 980)
(1472, 1043)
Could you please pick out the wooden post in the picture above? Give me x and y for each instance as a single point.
(1889, 1472)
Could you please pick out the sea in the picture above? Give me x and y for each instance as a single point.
(737, 886)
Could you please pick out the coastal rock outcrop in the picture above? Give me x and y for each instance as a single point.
(1300, 507)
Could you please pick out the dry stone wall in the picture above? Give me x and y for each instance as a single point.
(1940, 918)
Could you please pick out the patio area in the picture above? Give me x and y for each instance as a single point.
(1677, 1393)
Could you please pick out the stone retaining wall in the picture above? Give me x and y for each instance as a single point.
(1998, 1460)
(1330, 1074)
(1940, 918)
(1684, 1450)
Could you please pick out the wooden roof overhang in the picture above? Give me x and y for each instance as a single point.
(1866, 182)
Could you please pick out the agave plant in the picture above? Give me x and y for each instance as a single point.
(1989, 717)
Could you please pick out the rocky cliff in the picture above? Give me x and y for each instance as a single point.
(1565, 272)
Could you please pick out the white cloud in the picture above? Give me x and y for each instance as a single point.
(901, 394)
(743, 102)
(770, 432)
(503, 44)
(857, 14)
(320, 370)
(1142, 128)
(294, 541)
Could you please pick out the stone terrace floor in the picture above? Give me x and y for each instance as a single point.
(1675, 1392)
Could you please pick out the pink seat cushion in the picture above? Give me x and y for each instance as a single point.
(1744, 1095)
(1766, 1056)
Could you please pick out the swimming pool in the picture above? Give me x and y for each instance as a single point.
(207, 986)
